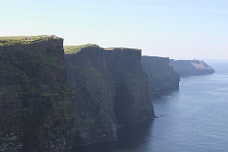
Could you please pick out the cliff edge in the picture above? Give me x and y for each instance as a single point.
(162, 77)
(33, 94)
(110, 90)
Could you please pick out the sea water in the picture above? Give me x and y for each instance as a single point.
(192, 119)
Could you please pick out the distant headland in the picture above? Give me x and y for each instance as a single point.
(191, 67)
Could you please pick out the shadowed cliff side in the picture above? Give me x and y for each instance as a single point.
(162, 77)
(110, 89)
(191, 67)
(33, 95)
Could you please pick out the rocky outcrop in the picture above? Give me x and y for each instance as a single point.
(33, 96)
(191, 67)
(162, 77)
(110, 90)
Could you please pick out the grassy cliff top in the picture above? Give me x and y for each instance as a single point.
(12, 40)
(76, 49)
(121, 48)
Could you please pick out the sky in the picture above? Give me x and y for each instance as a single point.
(179, 29)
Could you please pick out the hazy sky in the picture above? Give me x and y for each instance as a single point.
(174, 28)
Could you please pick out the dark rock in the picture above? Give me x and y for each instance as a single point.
(162, 77)
(33, 97)
(110, 89)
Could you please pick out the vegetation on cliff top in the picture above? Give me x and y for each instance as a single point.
(12, 40)
(121, 48)
(76, 49)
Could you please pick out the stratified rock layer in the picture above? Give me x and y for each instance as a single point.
(110, 89)
(191, 67)
(162, 77)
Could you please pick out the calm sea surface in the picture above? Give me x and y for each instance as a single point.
(192, 119)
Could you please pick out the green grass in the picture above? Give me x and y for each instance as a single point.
(20, 37)
(76, 49)
(12, 40)
(121, 48)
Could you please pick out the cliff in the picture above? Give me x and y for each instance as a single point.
(191, 67)
(162, 77)
(33, 94)
(110, 90)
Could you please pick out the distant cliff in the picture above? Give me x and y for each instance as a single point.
(33, 94)
(191, 67)
(110, 90)
(162, 77)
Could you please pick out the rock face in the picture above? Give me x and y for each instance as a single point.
(191, 67)
(162, 77)
(110, 89)
(33, 96)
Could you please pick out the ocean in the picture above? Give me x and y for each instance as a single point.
(192, 119)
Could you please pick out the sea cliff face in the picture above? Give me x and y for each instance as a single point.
(162, 77)
(191, 67)
(56, 105)
(110, 90)
(33, 96)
